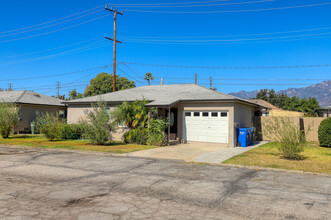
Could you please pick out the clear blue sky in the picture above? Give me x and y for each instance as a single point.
(189, 39)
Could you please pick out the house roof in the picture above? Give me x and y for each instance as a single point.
(162, 95)
(264, 103)
(28, 97)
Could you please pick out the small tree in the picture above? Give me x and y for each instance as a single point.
(324, 133)
(97, 126)
(50, 125)
(9, 114)
(149, 77)
(289, 136)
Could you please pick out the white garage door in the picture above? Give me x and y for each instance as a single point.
(206, 126)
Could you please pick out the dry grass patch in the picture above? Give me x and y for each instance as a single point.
(42, 142)
(315, 158)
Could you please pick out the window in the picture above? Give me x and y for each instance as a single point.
(187, 114)
(214, 114)
(108, 110)
(196, 114)
(205, 114)
(224, 114)
(122, 125)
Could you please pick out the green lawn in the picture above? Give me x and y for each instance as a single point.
(316, 159)
(42, 142)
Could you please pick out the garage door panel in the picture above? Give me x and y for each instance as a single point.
(211, 128)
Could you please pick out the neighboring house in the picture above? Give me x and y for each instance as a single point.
(323, 112)
(29, 103)
(271, 110)
(196, 113)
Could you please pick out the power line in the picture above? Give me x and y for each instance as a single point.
(37, 35)
(41, 51)
(240, 35)
(176, 3)
(54, 75)
(233, 40)
(227, 67)
(208, 5)
(73, 51)
(51, 20)
(234, 11)
(128, 75)
(51, 25)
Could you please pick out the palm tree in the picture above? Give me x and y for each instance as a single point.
(149, 77)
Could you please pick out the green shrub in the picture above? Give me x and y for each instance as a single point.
(136, 136)
(50, 125)
(291, 139)
(71, 132)
(156, 134)
(324, 133)
(8, 118)
(97, 127)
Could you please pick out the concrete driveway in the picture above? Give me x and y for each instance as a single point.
(57, 184)
(195, 152)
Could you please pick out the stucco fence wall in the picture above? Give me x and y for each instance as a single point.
(308, 124)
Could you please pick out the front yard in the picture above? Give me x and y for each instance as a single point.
(42, 142)
(316, 159)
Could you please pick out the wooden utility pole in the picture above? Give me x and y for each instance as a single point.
(115, 42)
(10, 87)
(58, 89)
(210, 83)
(196, 78)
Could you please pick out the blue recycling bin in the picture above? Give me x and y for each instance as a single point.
(244, 136)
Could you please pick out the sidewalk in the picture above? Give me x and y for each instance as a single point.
(224, 154)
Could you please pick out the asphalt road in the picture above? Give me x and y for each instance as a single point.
(54, 184)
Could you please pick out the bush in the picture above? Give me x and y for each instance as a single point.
(50, 125)
(8, 118)
(324, 133)
(136, 136)
(156, 134)
(291, 139)
(71, 132)
(97, 126)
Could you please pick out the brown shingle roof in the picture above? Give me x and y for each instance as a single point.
(264, 103)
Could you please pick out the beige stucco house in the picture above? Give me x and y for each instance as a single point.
(29, 103)
(197, 114)
(273, 111)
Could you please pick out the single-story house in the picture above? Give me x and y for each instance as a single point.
(29, 103)
(197, 113)
(271, 110)
(323, 112)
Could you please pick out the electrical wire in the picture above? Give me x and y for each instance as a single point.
(73, 51)
(234, 11)
(37, 35)
(50, 25)
(233, 40)
(208, 5)
(54, 75)
(41, 51)
(228, 67)
(240, 35)
(127, 74)
(51, 20)
(175, 3)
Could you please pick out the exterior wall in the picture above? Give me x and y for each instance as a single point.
(207, 106)
(77, 113)
(28, 114)
(237, 113)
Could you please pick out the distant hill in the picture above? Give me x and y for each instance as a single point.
(321, 91)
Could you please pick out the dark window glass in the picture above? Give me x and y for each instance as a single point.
(205, 114)
(196, 114)
(224, 114)
(214, 114)
(187, 113)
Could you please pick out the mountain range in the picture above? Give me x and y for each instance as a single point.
(321, 91)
